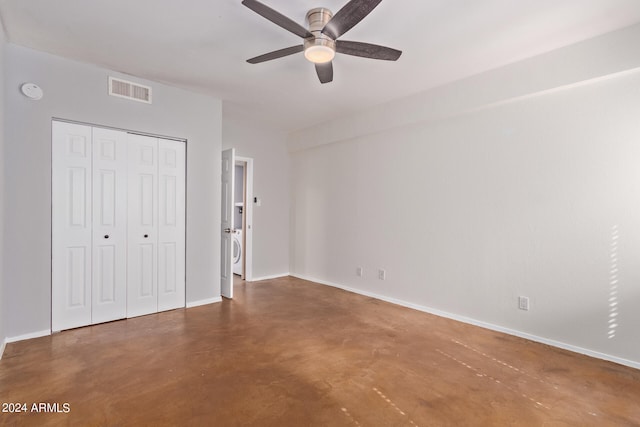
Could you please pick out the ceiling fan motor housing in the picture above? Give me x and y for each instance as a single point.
(320, 48)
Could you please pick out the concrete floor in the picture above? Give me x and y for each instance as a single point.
(286, 352)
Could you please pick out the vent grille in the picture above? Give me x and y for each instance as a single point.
(125, 89)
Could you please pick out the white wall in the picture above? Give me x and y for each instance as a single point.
(3, 308)
(77, 91)
(270, 183)
(510, 183)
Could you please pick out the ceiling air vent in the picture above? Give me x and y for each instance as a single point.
(125, 89)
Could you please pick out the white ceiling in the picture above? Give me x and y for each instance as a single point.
(202, 45)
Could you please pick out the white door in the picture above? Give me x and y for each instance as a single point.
(71, 225)
(226, 250)
(118, 225)
(171, 221)
(109, 265)
(142, 223)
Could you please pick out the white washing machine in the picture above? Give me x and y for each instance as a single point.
(237, 252)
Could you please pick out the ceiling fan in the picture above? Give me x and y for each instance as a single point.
(320, 39)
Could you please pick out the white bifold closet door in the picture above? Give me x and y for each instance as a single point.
(156, 220)
(171, 224)
(109, 249)
(71, 225)
(118, 225)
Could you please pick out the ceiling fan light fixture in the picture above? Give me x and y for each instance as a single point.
(319, 49)
(319, 54)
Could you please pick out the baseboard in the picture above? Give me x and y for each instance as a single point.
(203, 302)
(275, 276)
(29, 336)
(479, 323)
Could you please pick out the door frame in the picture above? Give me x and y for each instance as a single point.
(247, 226)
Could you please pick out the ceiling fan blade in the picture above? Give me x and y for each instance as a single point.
(347, 17)
(277, 18)
(276, 54)
(325, 72)
(367, 50)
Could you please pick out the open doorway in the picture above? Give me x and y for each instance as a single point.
(235, 232)
(243, 218)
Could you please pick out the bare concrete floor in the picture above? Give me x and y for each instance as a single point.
(286, 352)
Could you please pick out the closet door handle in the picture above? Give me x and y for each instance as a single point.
(106, 236)
(146, 235)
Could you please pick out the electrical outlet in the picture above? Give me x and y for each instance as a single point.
(359, 271)
(382, 275)
(523, 303)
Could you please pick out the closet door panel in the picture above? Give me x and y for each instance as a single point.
(109, 273)
(142, 222)
(171, 230)
(71, 224)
